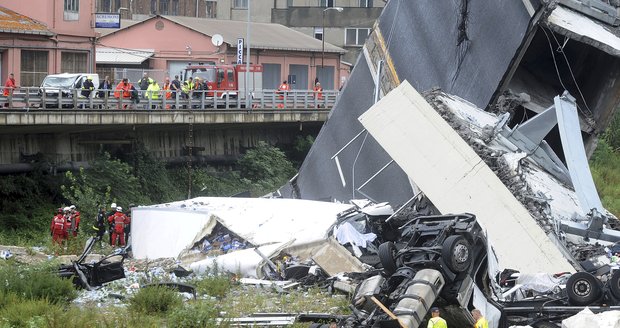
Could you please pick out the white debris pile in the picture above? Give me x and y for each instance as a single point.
(116, 292)
(586, 318)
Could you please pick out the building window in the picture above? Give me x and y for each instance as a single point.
(154, 7)
(74, 62)
(211, 9)
(241, 4)
(175, 8)
(105, 6)
(356, 36)
(318, 33)
(33, 68)
(108, 6)
(72, 6)
(72, 10)
(326, 3)
(366, 3)
(163, 7)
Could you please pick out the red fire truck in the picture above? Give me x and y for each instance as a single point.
(228, 80)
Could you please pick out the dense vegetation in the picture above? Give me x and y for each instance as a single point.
(28, 200)
(605, 167)
(35, 297)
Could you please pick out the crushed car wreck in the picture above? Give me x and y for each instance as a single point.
(89, 275)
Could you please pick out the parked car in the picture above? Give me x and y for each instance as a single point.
(64, 84)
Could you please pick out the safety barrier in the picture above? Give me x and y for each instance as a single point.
(34, 97)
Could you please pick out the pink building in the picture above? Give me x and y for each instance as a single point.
(166, 44)
(45, 37)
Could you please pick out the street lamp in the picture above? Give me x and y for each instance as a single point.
(339, 9)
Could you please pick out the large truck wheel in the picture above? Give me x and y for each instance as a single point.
(614, 284)
(583, 288)
(457, 253)
(387, 252)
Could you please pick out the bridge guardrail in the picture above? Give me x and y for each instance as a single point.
(35, 97)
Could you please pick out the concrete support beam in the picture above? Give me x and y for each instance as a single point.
(118, 117)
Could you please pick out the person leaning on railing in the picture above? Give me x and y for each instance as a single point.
(123, 90)
(9, 86)
(318, 94)
(152, 93)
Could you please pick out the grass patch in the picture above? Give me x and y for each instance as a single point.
(605, 170)
(35, 283)
(28, 313)
(246, 300)
(155, 300)
(195, 314)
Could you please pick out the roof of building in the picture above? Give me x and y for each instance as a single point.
(12, 22)
(123, 56)
(262, 35)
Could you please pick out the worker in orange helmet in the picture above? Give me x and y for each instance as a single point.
(118, 221)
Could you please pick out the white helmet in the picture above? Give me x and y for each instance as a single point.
(119, 209)
(113, 205)
(72, 207)
(66, 209)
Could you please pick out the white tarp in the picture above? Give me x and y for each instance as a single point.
(457, 180)
(585, 318)
(166, 230)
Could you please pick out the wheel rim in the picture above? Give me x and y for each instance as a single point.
(582, 288)
(461, 253)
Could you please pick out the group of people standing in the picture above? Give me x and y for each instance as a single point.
(149, 89)
(119, 225)
(317, 90)
(65, 224)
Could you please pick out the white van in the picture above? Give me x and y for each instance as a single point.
(65, 83)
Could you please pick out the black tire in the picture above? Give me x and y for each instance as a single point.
(583, 289)
(614, 284)
(387, 251)
(457, 253)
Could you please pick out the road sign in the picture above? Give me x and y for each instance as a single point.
(240, 51)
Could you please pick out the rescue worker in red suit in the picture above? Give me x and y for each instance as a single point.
(283, 89)
(68, 218)
(9, 86)
(118, 221)
(58, 227)
(75, 220)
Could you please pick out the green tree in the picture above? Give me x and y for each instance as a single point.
(154, 177)
(106, 180)
(265, 167)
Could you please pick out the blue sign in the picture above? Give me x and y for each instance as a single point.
(107, 20)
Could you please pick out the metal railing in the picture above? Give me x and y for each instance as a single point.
(34, 98)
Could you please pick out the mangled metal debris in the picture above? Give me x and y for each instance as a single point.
(89, 275)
